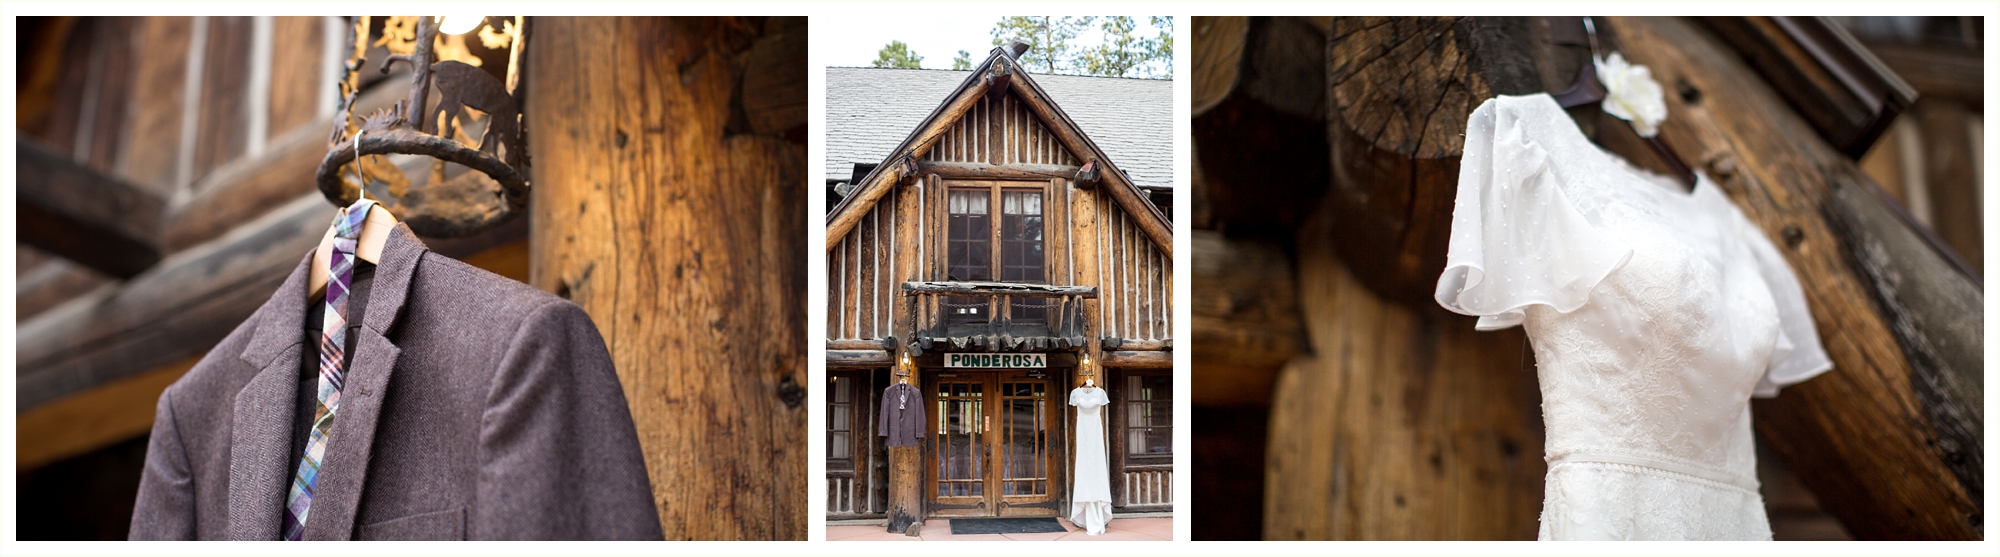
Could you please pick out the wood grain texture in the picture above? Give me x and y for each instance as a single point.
(1246, 319)
(74, 211)
(297, 74)
(222, 129)
(1890, 440)
(682, 242)
(1402, 424)
(150, 156)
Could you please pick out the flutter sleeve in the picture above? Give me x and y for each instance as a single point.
(1799, 355)
(1516, 238)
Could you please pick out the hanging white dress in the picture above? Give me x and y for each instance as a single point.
(1090, 496)
(1655, 314)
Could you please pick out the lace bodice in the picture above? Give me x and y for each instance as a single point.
(1655, 315)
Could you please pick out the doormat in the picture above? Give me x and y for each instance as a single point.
(961, 526)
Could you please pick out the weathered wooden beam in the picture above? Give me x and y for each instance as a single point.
(981, 171)
(1149, 219)
(857, 344)
(724, 246)
(83, 215)
(999, 289)
(115, 411)
(1246, 320)
(1139, 359)
(1402, 423)
(876, 184)
(1259, 127)
(877, 358)
(181, 307)
(42, 286)
(1937, 72)
(251, 186)
(1890, 441)
(774, 77)
(1396, 134)
(1833, 82)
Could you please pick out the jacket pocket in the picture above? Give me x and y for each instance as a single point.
(438, 525)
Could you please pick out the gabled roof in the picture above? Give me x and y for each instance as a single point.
(1000, 72)
(869, 110)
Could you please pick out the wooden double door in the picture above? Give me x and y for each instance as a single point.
(996, 443)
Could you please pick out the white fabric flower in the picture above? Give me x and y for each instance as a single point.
(1631, 94)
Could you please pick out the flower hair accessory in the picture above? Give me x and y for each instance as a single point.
(1631, 94)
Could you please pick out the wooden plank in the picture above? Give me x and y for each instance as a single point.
(173, 312)
(93, 419)
(1951, 174)
(1246, 320)
(976, 288)
(1139, 359)
(251, 186)
(1402, 424)
(222, 128)
(985, 171)
(75, 212)
(1937, 72)
(1833, 82)
(150, 156)
(857, 344)
(1891, 433)
(297, 74)
(774, 78)
(50, 284)
(711, 331)
(866, 359)
(122, 408)
(109, 93)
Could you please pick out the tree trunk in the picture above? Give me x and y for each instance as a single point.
(659, 211)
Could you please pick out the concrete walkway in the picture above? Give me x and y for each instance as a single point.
(939, 529)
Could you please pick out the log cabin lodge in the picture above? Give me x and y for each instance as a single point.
(995, 318)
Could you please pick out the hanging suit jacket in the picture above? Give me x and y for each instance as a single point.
(474, 407)
(902, 419)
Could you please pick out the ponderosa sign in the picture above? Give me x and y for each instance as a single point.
(1003, 361)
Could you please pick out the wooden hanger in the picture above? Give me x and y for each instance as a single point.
(368, 247)
(1587, 88)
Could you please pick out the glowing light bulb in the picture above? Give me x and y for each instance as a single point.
(459, 24)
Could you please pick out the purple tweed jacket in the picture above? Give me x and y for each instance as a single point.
(475, 407)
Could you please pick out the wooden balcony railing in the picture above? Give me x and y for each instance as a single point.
(1012, 316)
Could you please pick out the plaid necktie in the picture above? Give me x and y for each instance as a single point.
(332, 365)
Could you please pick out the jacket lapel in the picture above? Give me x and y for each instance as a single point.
(260, 463)
(343, 475)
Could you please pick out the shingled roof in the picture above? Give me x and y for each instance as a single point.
(870, 110)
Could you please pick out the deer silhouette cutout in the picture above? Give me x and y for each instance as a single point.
(461, 85)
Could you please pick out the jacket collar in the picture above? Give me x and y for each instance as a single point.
(261, 464)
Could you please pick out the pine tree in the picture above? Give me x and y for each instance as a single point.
(963, 61)
(898, 55)
(1049, 37)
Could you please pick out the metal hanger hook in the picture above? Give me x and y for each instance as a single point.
(1590, 30)
(361, 180)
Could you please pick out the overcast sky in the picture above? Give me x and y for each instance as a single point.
(854, 40)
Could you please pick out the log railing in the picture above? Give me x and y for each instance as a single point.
(930, 306)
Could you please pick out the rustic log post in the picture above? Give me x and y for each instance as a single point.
(1890, 441)
(678, 232)
(1260, 104)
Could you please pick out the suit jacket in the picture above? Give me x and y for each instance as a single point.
(902, 420)
(474, 407)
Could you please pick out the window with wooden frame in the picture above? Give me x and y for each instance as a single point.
(841, 416)
(1007, 249)
(1149, 416)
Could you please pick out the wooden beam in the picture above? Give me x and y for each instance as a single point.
(710, 330)
(1246, 320)
(858, 344)
(251, 186)
(858, 359)
(177, 310)
(1259, 131)
(1139, 359)
(1149, 219)
(83, 215)
(982, 171)
(1833, 82)
(999, 289)
(876, 184)
(1937, 72)
(1889, 441)
(94, 419)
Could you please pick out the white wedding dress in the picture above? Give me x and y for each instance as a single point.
(1090, 496)
(1655, 315)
